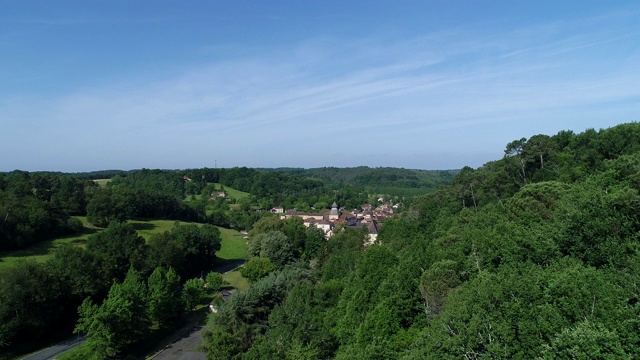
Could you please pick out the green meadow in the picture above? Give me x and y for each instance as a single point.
(42, 251)
(233, 245)
(102, 182)
(236, 194)
(235, 280)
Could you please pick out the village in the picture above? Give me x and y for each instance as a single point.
(368, 218)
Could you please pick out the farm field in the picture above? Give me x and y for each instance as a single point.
(233, 245)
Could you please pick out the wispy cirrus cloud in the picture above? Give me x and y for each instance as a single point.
(405, 91)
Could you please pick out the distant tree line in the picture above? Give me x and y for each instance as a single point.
(269, 189)
(381, 180)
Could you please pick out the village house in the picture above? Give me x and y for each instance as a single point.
(327, 221)
(371, 227)
(218, 194)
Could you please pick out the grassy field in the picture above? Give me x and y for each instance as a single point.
(236, 194)
(42, 251)
(233, 245)
(196, 197)
(102, 182)
(148, 228)
(235, 280)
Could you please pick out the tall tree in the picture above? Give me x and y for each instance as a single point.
(115, 250)
(119, 321)
(165, 304)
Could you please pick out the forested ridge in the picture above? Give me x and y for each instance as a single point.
(532, 256)
(381, 180)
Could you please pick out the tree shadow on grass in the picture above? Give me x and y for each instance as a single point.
(143, 226)
(41, 248)
(78, 242)
(47, 246)
(224, 265)
(89, 231)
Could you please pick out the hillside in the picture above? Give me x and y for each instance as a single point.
(381, 180)
(532, 256)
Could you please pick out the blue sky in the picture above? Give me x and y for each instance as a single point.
(90, 85)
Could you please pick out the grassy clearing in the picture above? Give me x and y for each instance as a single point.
(102, 182)
(236, 194)
(233, 245)
(147, 228)
(42, 251)
(194, 197)
(235, 280)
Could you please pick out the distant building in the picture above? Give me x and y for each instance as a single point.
(368, 219)
(334, 214)
(371, 227)
(218, 194)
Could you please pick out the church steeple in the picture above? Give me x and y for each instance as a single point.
(334, 213)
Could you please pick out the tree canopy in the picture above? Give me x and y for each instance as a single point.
(532, 256)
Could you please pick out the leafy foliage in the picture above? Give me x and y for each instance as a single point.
(165, 303)
(532, 256)
(188, 249)
(37, 206)
(257, 268)
(192, 293)
(119, 321)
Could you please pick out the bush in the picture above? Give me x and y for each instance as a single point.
(257, 268)
(74, 225)
(214, 281)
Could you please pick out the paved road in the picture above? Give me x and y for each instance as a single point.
(52, 351)
(184, 348)
(229, 266)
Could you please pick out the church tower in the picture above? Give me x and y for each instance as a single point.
(334, 214)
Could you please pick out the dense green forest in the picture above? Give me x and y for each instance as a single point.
(114, 268)
(381, 180)
(40, 298)
(532, 256)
